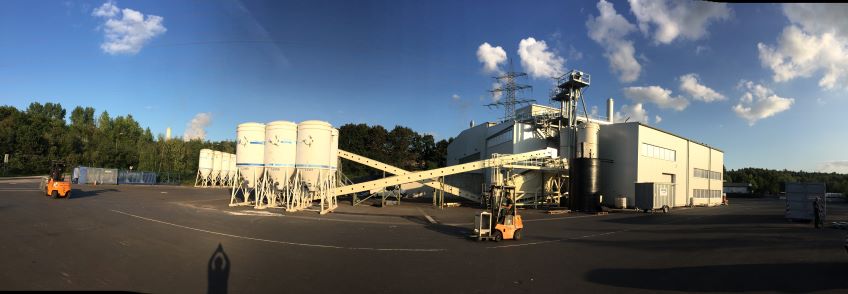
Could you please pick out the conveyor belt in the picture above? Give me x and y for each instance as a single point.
(399, 171)
(441, 172)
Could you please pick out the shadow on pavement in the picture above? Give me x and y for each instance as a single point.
(219, 271)
(787, 277)
(677, 219)
(82, 194)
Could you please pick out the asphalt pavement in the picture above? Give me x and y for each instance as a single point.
(166, 239)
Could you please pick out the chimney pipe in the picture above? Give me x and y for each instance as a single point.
(610, 111)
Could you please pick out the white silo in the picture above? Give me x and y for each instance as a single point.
(312, 158)
(587, 140)
(280, 150)
(204, 163)
(204, 168)
(250, 152)
(216, 165)
(233, 168)
(334, 149)
(225, 168)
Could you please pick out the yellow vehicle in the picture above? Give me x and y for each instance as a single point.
(501, 221)
(55, 185)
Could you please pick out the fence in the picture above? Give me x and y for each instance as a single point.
(111, 176)
(95, 175)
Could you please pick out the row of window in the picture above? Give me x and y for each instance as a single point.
(499, 139)
(706, 174)
(658, 152)
(704, 193)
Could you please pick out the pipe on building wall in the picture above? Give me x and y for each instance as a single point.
(610, 111)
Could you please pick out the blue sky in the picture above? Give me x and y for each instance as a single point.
(764, 81)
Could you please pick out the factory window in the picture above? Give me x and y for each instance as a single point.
(704, 194)
(500, 139)
(707, 174)
(658, 152)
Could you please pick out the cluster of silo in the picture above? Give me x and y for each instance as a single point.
(286, 165)
(215, 169)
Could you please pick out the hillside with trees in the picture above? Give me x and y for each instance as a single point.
(770, 181)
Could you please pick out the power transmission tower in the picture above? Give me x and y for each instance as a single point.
(509, 87)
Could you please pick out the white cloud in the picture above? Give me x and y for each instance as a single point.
(671, 19)
(107, 10)
(656, 95)
(538, 60)
(657, 119)
(701, 49)
(690, 85)
(609, 29)
(196, 128)
(801, 54)
(491, 57)
(815, 43)
(759, 102)
(819, 18)
(496, 94)
(455, 97)
(632, 113)
(836, 166)
(126, 31)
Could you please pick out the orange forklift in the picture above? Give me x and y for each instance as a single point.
(501, 220)
(55, 185)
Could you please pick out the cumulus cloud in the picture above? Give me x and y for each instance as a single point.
(657, 119)
(196, 128)
(836, 166)
(816, 42)
(491, 57)
(126, 31)
(656, 95)
(538, 60)
(609, 30)
(455, 97)
(667, 20)
(759, 102)
(107, 10)
(496, 94)
(632, 113)
(801, 54)
(690, 85)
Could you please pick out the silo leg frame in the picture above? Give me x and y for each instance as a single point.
(201, 181)
(246, 192)
(445, 171)
(433, 183)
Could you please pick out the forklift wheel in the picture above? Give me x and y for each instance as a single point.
(498, 236)
(665, 209)
(68, 195)
(55, 194)
(517, 234)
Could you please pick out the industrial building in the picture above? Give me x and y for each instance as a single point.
(607, 158)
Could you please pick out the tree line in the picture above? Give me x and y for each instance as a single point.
(769, 181)
(40, 134)
(401, 147)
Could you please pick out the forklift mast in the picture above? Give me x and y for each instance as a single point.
(57, 170)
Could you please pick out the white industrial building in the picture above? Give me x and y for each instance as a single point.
(629, 153)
